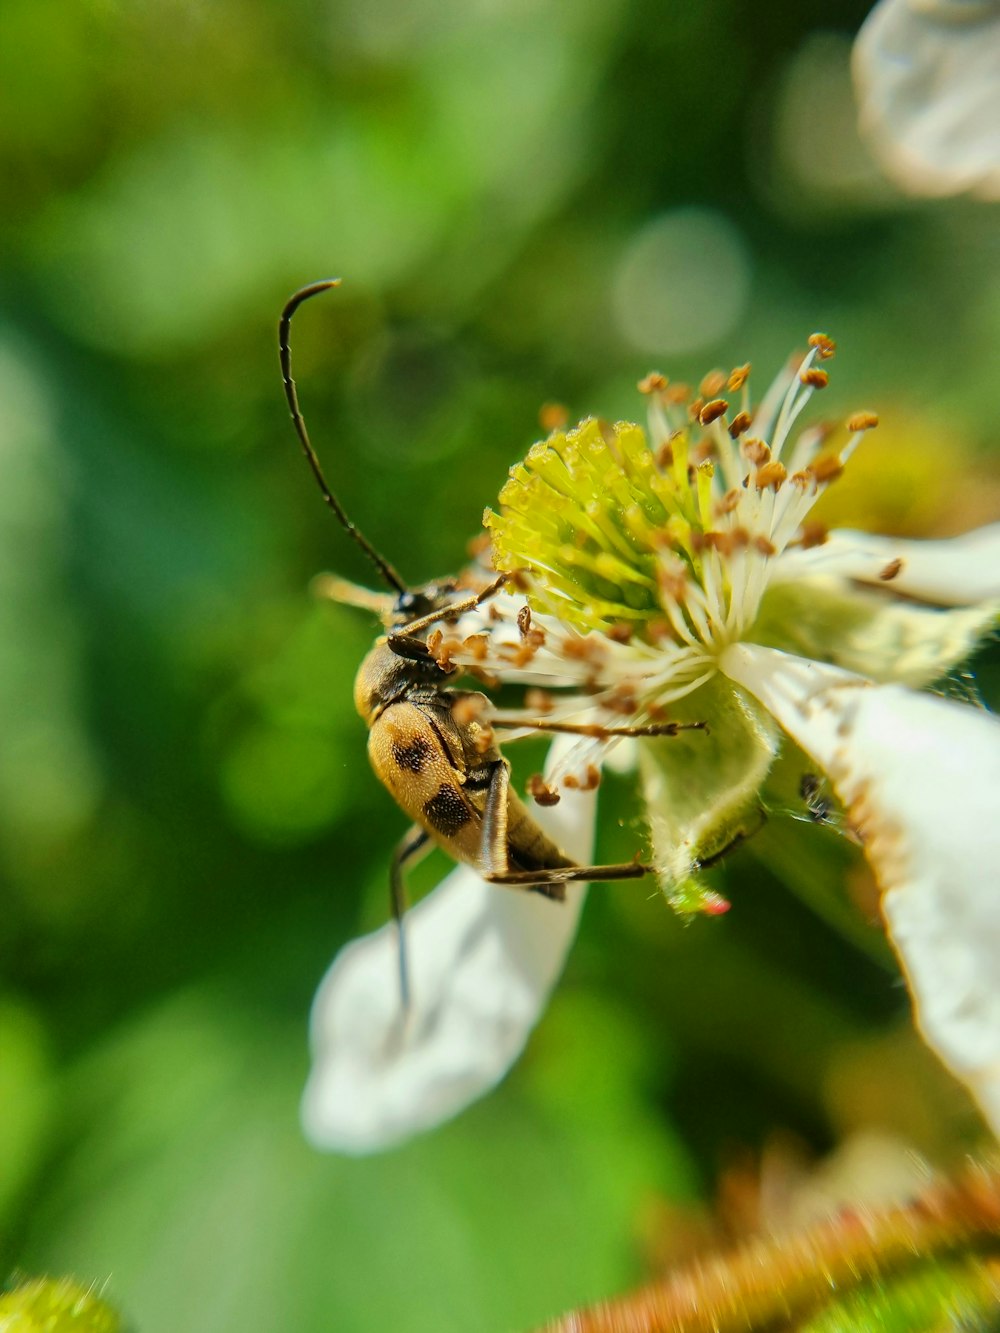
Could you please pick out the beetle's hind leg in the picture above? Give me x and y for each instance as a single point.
(548, 880)
(410, 849)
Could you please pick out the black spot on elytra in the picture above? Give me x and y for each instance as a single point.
(446, 810)
(413, 755)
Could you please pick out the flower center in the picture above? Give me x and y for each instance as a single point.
(667, 537)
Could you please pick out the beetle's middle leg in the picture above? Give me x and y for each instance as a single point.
(548, 880)
(413, 845)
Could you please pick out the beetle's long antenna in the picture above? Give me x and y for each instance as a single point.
(285, 357)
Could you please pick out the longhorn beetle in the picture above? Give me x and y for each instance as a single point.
(439, 762)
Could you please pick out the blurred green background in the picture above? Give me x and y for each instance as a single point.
(526, 202)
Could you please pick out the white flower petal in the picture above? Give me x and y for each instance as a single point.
(921, 778)
(482, 961)
(928, 80)
(958, 571)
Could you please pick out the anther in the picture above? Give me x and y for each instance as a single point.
(826, 469)
(539, 701)
(712, 383)
(468, 708)
(825, 346)
(764, 546)
(756, 451)
(540, 791)
(862, 421)
(812, 533)
(891, 570)
(524, 621)
(677, 394)
(729, 502)
(814, 377)
(552, 417)
(477, 646)
(654, 382)
(771, 474)
(740, 422)
(621, 632)
(738, 377)
(718, 407)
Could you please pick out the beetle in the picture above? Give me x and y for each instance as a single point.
(427, 741)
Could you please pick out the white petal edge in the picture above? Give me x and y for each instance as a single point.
(929, 95)
(483, 960)
(920, 776)
(956, 571)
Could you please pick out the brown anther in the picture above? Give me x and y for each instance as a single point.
(891, 570)
(620, 632)
(622, 699)
(727, 504)
(727, 543)
(445, 652)
(718, 407)
(713, 382)
(519, 580)
(703, 450)
(478, 546)
(826, 469)
(814, 377)
(826, 346)
(540, 791)
(673, 583)
(495, 613)
(552, 417)
(694, 408)
(664, 456)
(677, 393)
(862, 421)
(524, 620)
(764, 546)
(539, 701)
(468, 708)
(803, 480)
(654, 382)
(658, 630)
(434, 641)
(583, 649)
(483, 738)
(771, 474)
(756, 451)
(740, 422)
(477, 646)
(738, 377)
(812, 533)
(589, 782)
(485, 678)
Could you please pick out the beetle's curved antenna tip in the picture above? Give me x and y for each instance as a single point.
(383, 566)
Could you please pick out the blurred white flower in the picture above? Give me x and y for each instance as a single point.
(928, 79)
(678, 578)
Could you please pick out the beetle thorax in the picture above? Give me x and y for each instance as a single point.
(385, 677)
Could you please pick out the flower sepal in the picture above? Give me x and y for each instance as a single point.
(701, 790)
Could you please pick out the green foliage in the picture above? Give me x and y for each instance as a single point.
(188, 826)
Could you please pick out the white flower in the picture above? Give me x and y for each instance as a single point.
(680, 579)
(928, 80)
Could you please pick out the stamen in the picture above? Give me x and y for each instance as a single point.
(713, 410)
